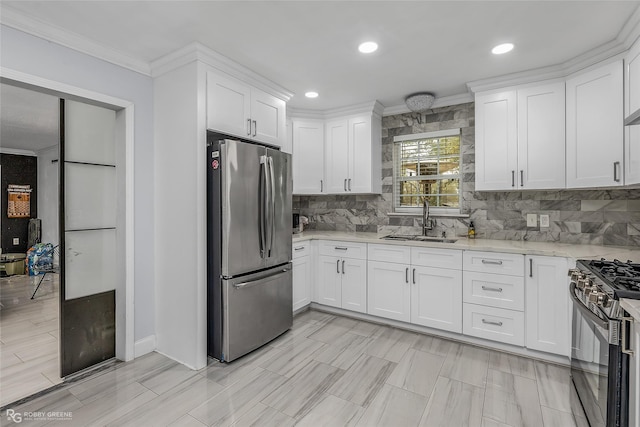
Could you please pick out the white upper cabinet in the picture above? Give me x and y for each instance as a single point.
(632, 104)
(337, 156)
(595, 127)
(541, 137)
(496, 141)
(353, 155)
(308, 157)
(520, 138)
(238, 109)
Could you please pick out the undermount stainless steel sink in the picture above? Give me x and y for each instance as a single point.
(418, 238)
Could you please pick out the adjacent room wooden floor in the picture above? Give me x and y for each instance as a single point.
(29, 331)
(328, 370)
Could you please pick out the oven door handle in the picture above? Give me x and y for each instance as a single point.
(585, 311)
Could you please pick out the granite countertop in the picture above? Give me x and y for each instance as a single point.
(507, 246)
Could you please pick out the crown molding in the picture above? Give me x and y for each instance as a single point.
(371, 107)
(445, 101)
(630, 31)
(198, 52)
(27, 24)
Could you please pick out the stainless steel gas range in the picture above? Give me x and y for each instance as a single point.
(600, 332)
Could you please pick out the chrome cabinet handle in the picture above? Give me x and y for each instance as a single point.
(341, 248)
(345, 184)
(521, 178)
(513, 178)
(530, 267)
(349, 184)
(626, 348)
(491, 322)
(255, 128)
(321, 186)
(406, 275)
(338, 266)
(486, 261)
(489, 288)
(248, 126)
(414, 276)
(616, 167)
(342, 266)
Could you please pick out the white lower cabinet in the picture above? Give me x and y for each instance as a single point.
(423, 295)
(493, 323)
(548, 309)
(301, 275)
(436, 296)
(342, 281)
(389, 293)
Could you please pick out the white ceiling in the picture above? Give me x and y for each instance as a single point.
(435, 46)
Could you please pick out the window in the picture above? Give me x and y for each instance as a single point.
(427, 165)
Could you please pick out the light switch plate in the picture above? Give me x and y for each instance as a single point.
(544, 221)
(16, 240)
(532, 220)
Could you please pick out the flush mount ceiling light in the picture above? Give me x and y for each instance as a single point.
(419, 102)
(368, 47)
(311, 94)
(502, 48)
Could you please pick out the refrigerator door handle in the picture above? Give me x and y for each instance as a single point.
(263, 204)
(272, 204)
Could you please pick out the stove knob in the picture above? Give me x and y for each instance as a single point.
(583, 283)
(603, 300)
(594, 296)
(573, 273)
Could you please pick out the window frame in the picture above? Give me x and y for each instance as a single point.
(434, 210)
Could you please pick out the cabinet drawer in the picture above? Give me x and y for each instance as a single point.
(492, 323)
(301, 249)
(389, 253)
(494, 262)
(434, 257)
(494, 290)
(343, 249)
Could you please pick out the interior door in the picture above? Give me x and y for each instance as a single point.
(88, 218)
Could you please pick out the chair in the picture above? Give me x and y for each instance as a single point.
(48, 262)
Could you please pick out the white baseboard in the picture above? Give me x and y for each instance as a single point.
(144, 346)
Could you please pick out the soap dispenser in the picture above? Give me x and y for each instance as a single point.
(471, 234)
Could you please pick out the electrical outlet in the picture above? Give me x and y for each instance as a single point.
(16, 241)
(544, 221)
(532, 220)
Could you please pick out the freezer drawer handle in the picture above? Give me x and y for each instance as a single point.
(488, 288)
(487, 261)
(257, 281)
(491, 322)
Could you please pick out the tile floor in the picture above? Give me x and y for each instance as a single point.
(29, 331)
(326, 371)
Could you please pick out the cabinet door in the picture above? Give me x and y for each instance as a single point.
(268, 116)
(308, 157)
(360, 156)
(337, 156)
(496, 141)
(329, 281)
(548, 322)
(301, 282)
(389, 291)
(228, 106)
(541, 137)
(594, 127)
(436, 298)
(632, 103)
(354, 284)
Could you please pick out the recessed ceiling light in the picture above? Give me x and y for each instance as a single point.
(368, 47)
(311, 94)
(502, 48)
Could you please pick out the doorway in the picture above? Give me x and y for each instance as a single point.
(94, 254)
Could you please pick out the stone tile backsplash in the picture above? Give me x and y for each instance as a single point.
(600, 217)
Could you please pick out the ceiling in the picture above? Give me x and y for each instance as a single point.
(435, 46)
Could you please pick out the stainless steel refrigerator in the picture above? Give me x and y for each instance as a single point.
(249, 279)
